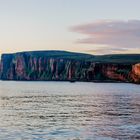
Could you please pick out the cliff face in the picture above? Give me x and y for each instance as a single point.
(135, 73)
(28, 66)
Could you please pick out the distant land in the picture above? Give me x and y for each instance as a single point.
(70, 66)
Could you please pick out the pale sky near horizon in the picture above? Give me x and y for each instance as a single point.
(90, 26)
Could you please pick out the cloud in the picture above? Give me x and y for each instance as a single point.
(103, 50)
(116, 35)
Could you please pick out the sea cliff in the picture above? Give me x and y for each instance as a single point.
(68, 66)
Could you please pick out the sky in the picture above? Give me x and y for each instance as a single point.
(89, 26)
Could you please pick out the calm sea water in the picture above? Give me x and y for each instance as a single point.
(69, 111)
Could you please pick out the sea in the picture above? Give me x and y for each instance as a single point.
(69, 111)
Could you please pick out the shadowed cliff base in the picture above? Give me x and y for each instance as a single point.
(69, 66)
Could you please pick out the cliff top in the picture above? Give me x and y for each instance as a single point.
(111, 58)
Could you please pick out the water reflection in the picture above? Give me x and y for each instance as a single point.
(49, 115)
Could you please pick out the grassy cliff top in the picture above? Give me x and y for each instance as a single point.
(111, 58)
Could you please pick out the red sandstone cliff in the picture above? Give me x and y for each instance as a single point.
(25, 66)
(135, 73)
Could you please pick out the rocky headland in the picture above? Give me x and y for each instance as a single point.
(69, 66)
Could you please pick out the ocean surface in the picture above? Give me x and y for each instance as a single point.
(69, 111)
